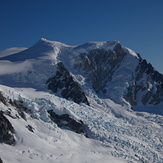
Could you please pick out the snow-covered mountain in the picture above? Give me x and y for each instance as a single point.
(99, 100)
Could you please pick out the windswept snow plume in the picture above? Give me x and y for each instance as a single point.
(10, 51)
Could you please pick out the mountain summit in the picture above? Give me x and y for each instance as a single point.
(99, 100)
(109, 69)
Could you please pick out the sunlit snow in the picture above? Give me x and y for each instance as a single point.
(116, 133)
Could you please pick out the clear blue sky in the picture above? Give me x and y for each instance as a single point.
(137, 24)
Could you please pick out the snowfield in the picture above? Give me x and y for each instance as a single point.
(115, 133)
(48, 143)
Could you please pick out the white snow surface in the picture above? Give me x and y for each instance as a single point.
(116, 133)
(48, 143)
(33, 66)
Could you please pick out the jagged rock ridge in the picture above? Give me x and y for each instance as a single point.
(147, 81)
(99, 61)
(99, 65)
(65, 121)
(64, 82)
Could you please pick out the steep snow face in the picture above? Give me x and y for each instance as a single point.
(122, 77)
(131, 52)
(109, 72)
(31, 67)
(43, 49)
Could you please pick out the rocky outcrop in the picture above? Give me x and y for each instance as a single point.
(99, 65)
(130, 95)
(1, 160)
(16, 103)
(20, 108)
(30, 128)
(6, 130)
(147, 82)
(3, 99)
(65, 83)
(65, 121)
(154, 83)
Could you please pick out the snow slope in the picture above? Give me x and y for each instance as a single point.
(35, 65)
(48, 143)
(115, 132)
(41, 59)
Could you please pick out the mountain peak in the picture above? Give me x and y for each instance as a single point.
(41, 49)
(46, 42)
(43, 39)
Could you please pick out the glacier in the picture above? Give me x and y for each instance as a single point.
(117, 130)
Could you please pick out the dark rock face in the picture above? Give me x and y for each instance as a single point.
(6, 130)
(1, 160)
(65, 121)
(130, 96)
(148, 81)
(30, 128)
(100, 65)
(16, 103)
(3, 99)
(64, 82)
(20, 107)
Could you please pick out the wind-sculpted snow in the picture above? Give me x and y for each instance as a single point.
(133, 136)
